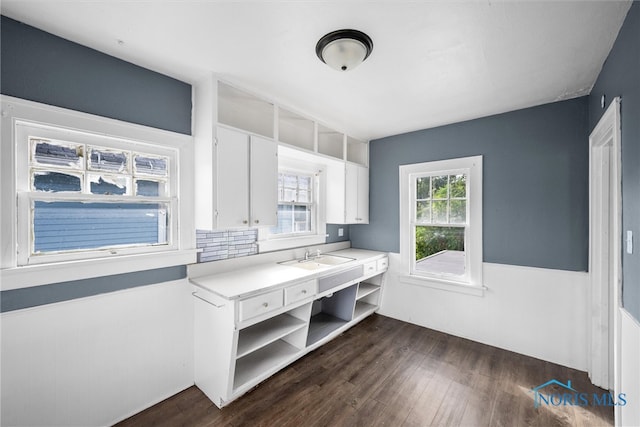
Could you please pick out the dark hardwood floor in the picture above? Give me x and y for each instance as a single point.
(384, 372)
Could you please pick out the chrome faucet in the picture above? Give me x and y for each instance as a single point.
(308, 256)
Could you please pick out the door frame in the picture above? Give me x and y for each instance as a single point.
(605, 250)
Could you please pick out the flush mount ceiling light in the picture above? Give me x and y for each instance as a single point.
(344, 50)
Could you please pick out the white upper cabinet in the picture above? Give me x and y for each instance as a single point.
(236, 142)
(263, 188)
(347, 193)
(232, 177)
(247, 180)
(357, 194)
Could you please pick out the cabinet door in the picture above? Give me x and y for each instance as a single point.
(363, 195)
(357, 194)
(351, 191)
(264, 181)
(232, 173)
(335, 196)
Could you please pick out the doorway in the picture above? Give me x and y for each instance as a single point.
(605, 210)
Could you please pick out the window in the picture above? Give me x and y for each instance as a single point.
(441, 221)
(301, 196)
(85, 196)
(296, 207)
(440, 224)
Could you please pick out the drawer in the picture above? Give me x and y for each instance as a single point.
(382, 264)
(370, 268)
(261, 304)
(299, 292)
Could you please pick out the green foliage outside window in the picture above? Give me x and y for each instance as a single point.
(431, 240)
(440, 199)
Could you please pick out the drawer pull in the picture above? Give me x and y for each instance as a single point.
(265, 304)
(304, 291)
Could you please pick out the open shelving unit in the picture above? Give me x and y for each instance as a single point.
(293, 129)
(234, 353)
(330, 142)
(254, 365)
(357, 151)
(261, 334)
(245, 111)
(265, 346)
(367, 299)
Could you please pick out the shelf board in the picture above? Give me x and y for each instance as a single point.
(322, 325)
(264, 333)
(363, 308)
(365, 289)
(259, 364)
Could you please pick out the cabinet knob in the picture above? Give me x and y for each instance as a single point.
(265, 304)
(245, 221)
(304, 291)
(257, 221)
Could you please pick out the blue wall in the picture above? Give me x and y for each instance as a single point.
(620, 76)
(535, 183)
(41, 67)
(44, 68)
(46, 294)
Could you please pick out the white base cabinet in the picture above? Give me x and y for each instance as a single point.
(240, 343)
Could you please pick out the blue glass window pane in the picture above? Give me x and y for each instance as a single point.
(151, 165)
(101, 186)
(56, 181)
(63, 226)
(58, 154)
(147, 188)
(108, 160)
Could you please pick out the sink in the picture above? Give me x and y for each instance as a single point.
(332, 259)
(317, 263)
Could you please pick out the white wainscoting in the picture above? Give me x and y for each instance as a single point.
(533, 311)
(629, 369)
(97, 360)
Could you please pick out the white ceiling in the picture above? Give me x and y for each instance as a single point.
(433, 62)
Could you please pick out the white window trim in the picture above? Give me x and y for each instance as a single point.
(314, 204)
(472, 284)
(24, 229)
(15, 110)
(273, 242)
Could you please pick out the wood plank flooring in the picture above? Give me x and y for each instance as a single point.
(384, 372)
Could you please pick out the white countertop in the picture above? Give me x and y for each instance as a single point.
(256, 279)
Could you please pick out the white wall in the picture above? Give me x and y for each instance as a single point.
(97, 360)
(629, 369)
(532, 311)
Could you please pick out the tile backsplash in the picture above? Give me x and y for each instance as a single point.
(223, 244)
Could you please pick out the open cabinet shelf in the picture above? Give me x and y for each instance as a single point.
(261, 334)
(259, 363)
(363, 308)
(365, 289)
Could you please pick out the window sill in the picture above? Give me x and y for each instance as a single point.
(443, 284)
(43, 274)
(290, 242)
